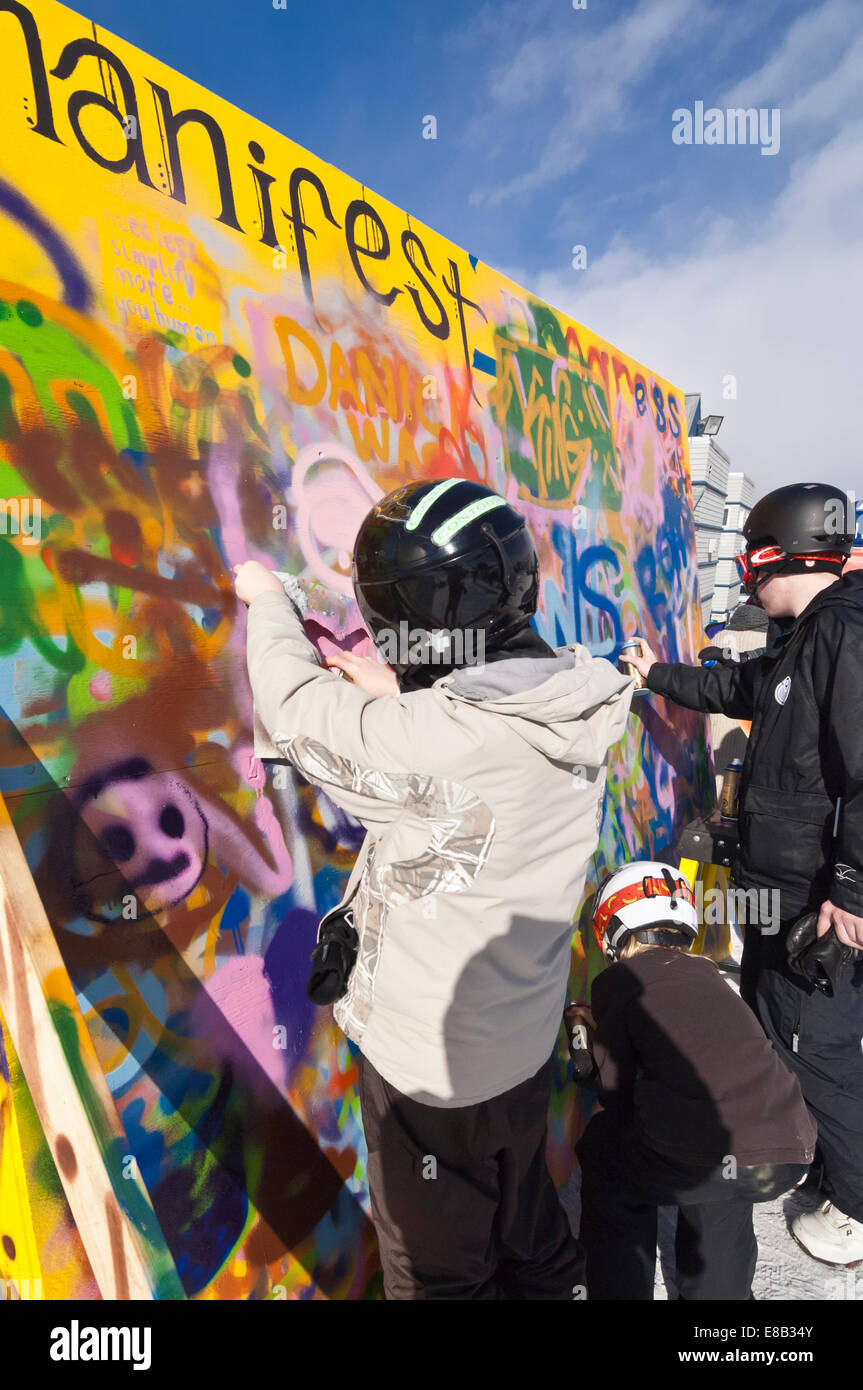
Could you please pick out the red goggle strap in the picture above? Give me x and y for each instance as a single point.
(633, 893)
(751, 560)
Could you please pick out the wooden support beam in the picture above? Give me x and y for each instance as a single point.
(109, 1203)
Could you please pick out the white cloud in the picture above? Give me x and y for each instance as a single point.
(814, 40)
(780, 308)
(836, 93)
(771, 295)
(581, 82)
(768, 289)
(816, 75)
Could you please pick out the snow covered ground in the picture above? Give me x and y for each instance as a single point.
(784, 1271)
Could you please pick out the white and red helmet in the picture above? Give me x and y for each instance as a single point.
(643, 896)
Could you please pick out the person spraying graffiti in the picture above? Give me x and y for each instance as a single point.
(699, 1112)
(481, 785)
(801, 822)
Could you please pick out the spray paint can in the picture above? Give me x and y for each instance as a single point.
(729, 797)
(633, 645)
(309, 596)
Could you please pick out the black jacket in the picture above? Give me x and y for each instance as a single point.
(682, 1059)
(803, 772)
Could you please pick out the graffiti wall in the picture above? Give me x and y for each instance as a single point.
(215, 347)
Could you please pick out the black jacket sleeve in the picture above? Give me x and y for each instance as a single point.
(614, 1057)
(840, 652)
(716, 690)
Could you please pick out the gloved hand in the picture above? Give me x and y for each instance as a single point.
(580, 1027)
(719, 656)
(333, 958)
(824, 961)
(728, 656)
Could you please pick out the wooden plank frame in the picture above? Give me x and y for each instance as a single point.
(112, 1210)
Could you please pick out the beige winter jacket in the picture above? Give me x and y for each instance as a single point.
(482, 798)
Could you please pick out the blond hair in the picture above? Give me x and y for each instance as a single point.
(634, 947)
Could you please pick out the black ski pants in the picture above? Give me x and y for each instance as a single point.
(624, 1183)
(820, 1039)
(463, 1203)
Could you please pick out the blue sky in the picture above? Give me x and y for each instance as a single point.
(554, 129)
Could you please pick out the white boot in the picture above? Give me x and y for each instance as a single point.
(828, 1234)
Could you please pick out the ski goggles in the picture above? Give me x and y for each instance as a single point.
(633, 893)
(751, 561)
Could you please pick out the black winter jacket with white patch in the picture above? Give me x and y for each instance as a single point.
(801, 800)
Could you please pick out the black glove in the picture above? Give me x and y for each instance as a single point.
(718, 656)
(583, 1066)
(826, 962)
(333, 958)
(728, 656)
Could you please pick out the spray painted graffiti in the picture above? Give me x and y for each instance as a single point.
(191, 376)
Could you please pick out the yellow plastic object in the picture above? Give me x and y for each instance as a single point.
(714, 938)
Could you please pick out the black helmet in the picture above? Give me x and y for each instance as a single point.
(803, 519)
(799, 529)
(442, 559)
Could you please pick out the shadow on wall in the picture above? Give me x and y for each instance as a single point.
(240, 1144)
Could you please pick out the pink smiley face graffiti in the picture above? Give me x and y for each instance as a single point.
(151, 827)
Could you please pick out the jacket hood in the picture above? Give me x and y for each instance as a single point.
(526, 644)
(569, 706)
(847, 590)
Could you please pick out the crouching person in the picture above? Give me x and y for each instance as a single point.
(480, 780)
(700, 1112)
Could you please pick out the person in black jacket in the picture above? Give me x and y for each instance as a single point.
(699, 1111)
(801, 817)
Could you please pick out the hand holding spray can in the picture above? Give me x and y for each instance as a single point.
(632, 645)
(309, 596)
